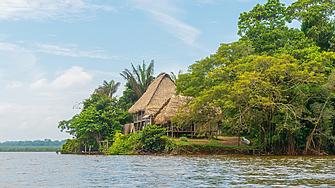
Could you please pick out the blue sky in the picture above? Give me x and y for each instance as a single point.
(54, 53)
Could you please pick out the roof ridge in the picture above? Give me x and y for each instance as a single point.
(160, 81)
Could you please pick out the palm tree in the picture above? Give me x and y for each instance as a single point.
(139, 78)
(175, 77)
(108, 88)
(101, 90)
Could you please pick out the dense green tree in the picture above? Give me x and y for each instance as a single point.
(262, 95)
(193, 82)
(99, 119)
(128, 98)
(265, 27)
(316, 17)
(272, 83)
(140, 77)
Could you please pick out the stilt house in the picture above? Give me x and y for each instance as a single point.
(157, 94)
(157, 106)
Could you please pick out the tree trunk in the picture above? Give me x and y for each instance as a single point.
(97, 139)
(310, 137)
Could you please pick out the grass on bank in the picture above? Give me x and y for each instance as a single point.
(211, 143)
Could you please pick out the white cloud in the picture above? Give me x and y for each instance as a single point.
(14, 85)
(74, 75)
(11, 47)
(66, 50)
(163, 12)
(52, 35)
(70, 77)
(62, 50)
(3, 36)
(177, 28)
(7, 109)
(42, 83)
(23, 126)
(15, 64)
(41, 9)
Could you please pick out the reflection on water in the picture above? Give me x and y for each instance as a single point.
(52, 170)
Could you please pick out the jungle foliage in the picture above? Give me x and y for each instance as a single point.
(103, 115)
(100, 118)
(150, 139)
(275, 84)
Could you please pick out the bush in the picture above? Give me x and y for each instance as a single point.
(70, 146)
(124, 144)
(184, 139)
(169, 145)
(150, 138)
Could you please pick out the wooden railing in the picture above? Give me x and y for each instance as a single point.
(138, 117)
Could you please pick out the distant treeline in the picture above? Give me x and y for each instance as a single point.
(28, 148)
(47, 143)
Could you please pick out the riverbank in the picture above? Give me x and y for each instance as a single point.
(221, 145)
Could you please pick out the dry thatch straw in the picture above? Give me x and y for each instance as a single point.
(158, 92)
(170, 109)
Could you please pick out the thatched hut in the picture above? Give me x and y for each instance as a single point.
(157, 94)
(158, 105)
(169, 110)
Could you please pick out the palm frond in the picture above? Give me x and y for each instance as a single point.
(140, 77)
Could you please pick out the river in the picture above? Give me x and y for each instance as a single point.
(43, 169)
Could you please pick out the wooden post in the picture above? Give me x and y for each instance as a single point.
(239, 132)
(171, 130)
(89, 150)
(85, 148)
(107, 146)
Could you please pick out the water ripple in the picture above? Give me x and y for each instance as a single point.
(52, 170)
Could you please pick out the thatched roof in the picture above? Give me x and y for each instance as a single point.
(158, 92)
(170, 109)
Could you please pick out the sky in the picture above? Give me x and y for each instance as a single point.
(54, 53)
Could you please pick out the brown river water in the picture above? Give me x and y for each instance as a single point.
(39, 169)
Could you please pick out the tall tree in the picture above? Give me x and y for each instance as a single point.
(108, 88)
(128, 98)
(265, 27)
(98, 120)
(140, 77)
(316, 17)
(111, 87)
